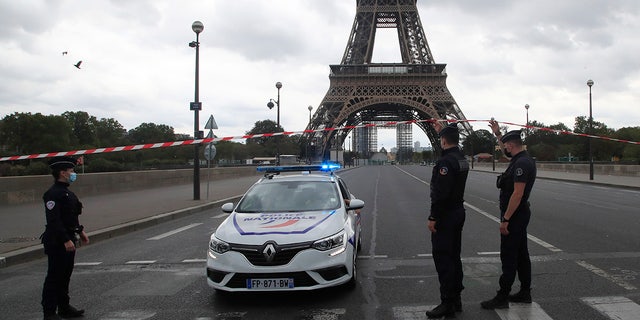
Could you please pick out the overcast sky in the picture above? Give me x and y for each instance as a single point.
(137, 66)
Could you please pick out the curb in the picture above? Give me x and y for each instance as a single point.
(37, 251)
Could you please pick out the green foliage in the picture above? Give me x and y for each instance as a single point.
(481, 141)
(26, 133)
(37, 168)
(151, 133)
(103, 165)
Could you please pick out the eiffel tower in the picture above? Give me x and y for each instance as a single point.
(362, 92)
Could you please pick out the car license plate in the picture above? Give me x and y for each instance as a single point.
(275, 283)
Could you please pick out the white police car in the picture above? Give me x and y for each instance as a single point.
(288, 232)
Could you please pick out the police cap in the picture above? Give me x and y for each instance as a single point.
(511, 135)
(450, 130)
(62, 163)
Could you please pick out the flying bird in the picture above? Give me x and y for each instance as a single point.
(77, 65)
(64, 52)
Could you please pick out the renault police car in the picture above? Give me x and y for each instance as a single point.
(290, 231)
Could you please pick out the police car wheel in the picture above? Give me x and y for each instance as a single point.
(354, 274)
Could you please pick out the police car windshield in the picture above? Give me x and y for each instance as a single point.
(290, 196)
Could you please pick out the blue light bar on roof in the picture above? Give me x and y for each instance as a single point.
(316, 167)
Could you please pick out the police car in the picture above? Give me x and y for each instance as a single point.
(290, 231)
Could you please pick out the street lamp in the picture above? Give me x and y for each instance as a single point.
(310, 135)
(526, 106)
(270, 106)
(590, 83)
(196, 106)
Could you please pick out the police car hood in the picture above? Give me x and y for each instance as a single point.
(286, 227)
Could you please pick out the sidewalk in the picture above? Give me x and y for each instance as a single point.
(117, 213)
(112, 214)
(606, 180)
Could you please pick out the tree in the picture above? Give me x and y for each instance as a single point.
(628, 152)
(602, 150)
(26, 133)
(109, 132)
(480, 141)
(151, 133)
(264, 126)
(83, 127)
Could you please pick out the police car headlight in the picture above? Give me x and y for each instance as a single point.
(218, 246)
(331, 242)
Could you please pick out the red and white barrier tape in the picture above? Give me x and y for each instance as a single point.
(285, 133)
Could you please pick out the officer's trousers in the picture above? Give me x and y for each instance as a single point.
(446, 244)
(514, 252)
(55, 292)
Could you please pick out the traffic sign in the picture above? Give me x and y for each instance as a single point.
(211, 123)
(209, 152)
(195, 106)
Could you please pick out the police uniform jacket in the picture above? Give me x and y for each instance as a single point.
(62, 208)
(522, 168)
(448, 180)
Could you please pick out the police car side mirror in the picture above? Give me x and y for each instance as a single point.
(355, 204)
(227, 207)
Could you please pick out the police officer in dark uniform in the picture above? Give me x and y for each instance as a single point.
(60, 239)
(515, 187)
(446, 220)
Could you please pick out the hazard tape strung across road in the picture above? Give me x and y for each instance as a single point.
(285, 133)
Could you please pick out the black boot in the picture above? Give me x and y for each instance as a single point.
(457, 304)
(523, 296)
(51, 316)
(445, 309)
(500, 301)
(70, 312)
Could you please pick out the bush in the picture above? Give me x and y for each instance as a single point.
(102, 165)
(37, 168)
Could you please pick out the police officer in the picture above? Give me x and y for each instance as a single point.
(60, 239)
(515, 187)
(446, 220)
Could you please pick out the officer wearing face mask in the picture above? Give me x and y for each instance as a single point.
(446, 220)
(60, 239)
(515, 186)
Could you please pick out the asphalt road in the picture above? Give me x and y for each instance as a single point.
(583, 241)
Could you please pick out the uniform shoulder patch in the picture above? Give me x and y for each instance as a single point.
(50, 204)
(444, 171)
(519, 172)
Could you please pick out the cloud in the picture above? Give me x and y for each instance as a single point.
(137, 65)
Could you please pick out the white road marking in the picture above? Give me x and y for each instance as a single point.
(326, 314)
(523, 311)
(482, 212)
(537, 240)
(194, 260)
(619, 308)
(170, 233)
(489, 253)
(129, 315)
(222, 215)
(606, 275)
(141, 262)
(381, 256)
(87, 263)
(410, 312)
(424, 255)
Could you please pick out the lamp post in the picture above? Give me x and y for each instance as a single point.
(526, 107)
(310, 135)
(196, 106)
(590, 83)
(270, 106)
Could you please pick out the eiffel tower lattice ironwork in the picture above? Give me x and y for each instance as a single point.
(362, 92)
